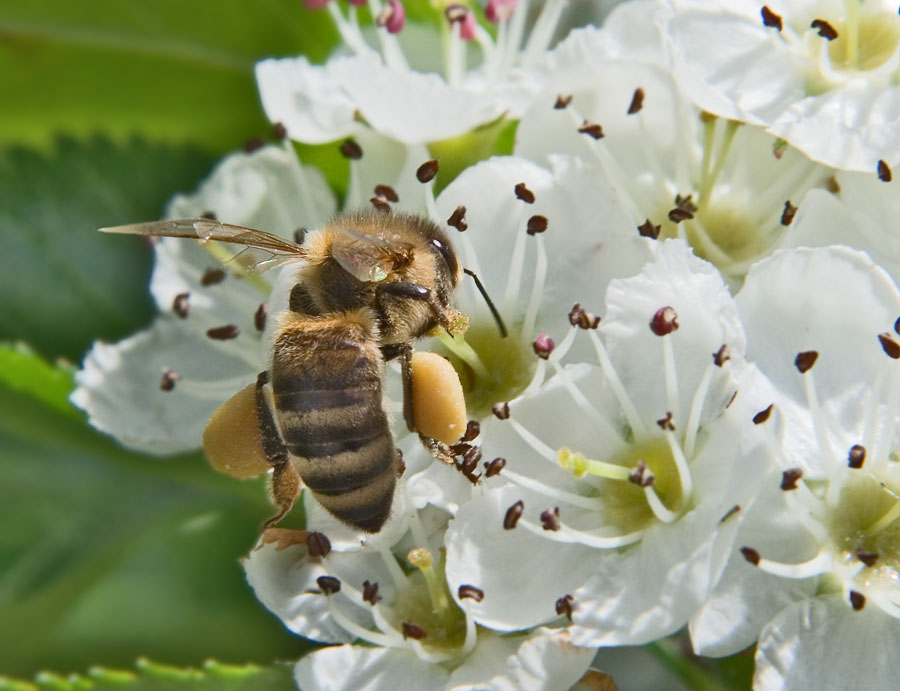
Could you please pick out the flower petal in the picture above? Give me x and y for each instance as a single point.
(355, 668)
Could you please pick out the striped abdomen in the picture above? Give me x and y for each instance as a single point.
(326, 377)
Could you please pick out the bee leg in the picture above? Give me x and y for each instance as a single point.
(439, 450)
(413, 291)
(284, 485)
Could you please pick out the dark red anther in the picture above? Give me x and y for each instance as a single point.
(427, 171)
(411, 630)
(223, 333)
(856, 457)
(721, 356)
(640, 475)
(666, 422)
(351, 149)
(771, 19)
(564, 606)
(789, 478)
(884, 171)
(826, 30)
(387, 192)
(543, 345)
(473, 429)
(318, 545)
(582, 319)
(211, 277)
(788, 214)
(890, 346)
(329, 584)
(637, 101)
(536, 224)
(857, 600)
(492, 468)
(562, 102)
(370, 593)
(591, 129)
(279, 131)
(805, 360)
(513, 514)
(254, 144)
(470, 592)
(664, 321)
(181, 305)
(524, 194)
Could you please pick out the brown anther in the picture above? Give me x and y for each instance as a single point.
(254, 144)
(208, 215)
(582, 319)
(318, 545)
(473, 429)
(678, 215)
(564, 606)
(664, 321)
(637, 101)
(411, 630)
(825, 29)
(684, 210)
(401, 464)
(329, 584)
(536, 224)
(501, 410)
(279, 131)
(427, 171)
(884, 171)
(169, 378)
(891, 347)
(513, 514)
(562, 102)
(897, 326)
(259, 317)
(856, 456)
(524, 194)
(640, 475)
(370, 593)
(867, 558)
(805, 360)
(731, 400)
(763, 415)
(458, 219)
(381, 204)
(731, 512)
(492, 468)
(543, 345)
(550, 519)
(299, 235)
(789, 478)
(223, 333)
(593, 130)
(771, 19)
(460, 448)
(721, 356)
(648, 230)
(387, 192)
(470, 592)
(181, 305)
(788, 214)
(832, 185)
(471, 458)
(750, 555)
(857, 600)
(666, 422)
(211, 277)
(706, 117)
(351, 149)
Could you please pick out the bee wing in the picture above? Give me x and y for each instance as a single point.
(262, 251)
(367, 257)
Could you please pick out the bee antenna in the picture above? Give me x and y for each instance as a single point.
(489, 302)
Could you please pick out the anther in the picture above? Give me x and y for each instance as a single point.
(779, 146)
(536, 224)
(169, 378)
(392, 16)
(721, 356)
(181, 305)
(299, 235)
(666, 422)
(562, 102)
(401, 464)
(684, 210)
(750, 555)
(455, 13)
(648, 230)
(564, 606)
(763, 415)
(664, 321)
(279, 131)
(891, 347)
(370, 593)
(897, 326)
(867, 558)
(470, 592)
(329, 584)
(351, 149)
(640, 475)
(254, 144)
(771, 19)
(731, 512)
(788, 214)
(473, 429)
(501, 410)
(471, 458)
(209, 215)
(381, 204)
(411, 630)
(427, 171)
(857, 600)
(550, 519)
(524, 194)
(494, 467)
(223, 333)
(884, 171)
(582, 319)
(498, 11)
(832, 184)
(637, 101)
(825, 29)
(318, 545)
(211, 277)
(591, 129)
(460, 448)
(259, 317)
(789, 478)
(543, 345)
(513, 514)
(458, 219)
(387, 192)
(856, 457)
(805, 360)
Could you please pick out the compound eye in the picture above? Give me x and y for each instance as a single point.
(448, 254)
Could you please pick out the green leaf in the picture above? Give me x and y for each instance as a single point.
(107, 555)
(170, 70)
(21, 370)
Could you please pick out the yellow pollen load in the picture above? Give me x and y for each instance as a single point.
(231, 438)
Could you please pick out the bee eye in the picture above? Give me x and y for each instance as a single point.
(448, 254)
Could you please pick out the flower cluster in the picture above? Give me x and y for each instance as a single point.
(693, 418)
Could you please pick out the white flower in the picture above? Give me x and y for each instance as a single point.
(825, 76)
(818, 576)
(627, 546)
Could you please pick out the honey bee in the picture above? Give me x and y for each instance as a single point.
(366, 286)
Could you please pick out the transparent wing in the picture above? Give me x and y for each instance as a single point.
(369, 257)
(262, 251)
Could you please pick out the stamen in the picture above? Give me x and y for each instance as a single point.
(212, 277)
(657, 507)
(805, 362)
(513, 514)
(771, 19)
(181, 305)
(260, 316)
(884, 171)
(460, 348)
(684, 472)
(564, 606)
(318, 545)
(169, 379)
(612, 378)
(440, 603)
(693, 423)
(816, 566)
(542, 31)
(882, 523)
(607, 429)
(671, 376)
(397, 575)
(569, 535)
(363, 634)
(857, 600)
(537, 286)
(554, 493)
(886, 438)
(514, 280)
(351, 36)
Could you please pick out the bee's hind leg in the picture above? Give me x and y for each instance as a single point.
(284, 483)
